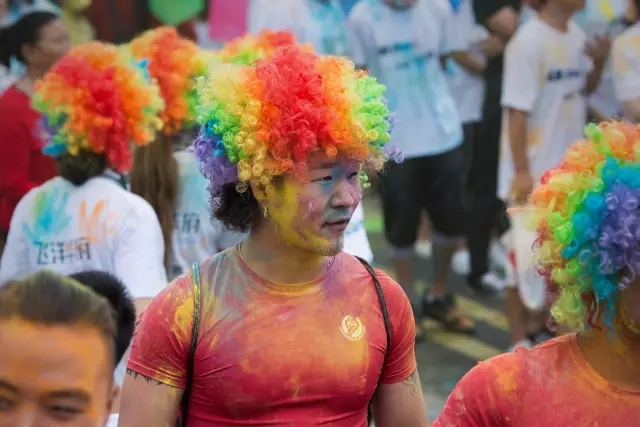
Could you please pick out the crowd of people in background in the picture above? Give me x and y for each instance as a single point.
(209, 191)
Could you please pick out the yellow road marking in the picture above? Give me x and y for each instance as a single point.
(463, 344)
(472, 308)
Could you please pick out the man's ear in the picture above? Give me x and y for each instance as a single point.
(259, 192)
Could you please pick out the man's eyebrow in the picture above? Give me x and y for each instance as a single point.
(75, 394)
(4, 384)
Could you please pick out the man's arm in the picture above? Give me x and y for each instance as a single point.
(522, 79)
(147, 402)
(398, 400)
(401, 404)
(156, 374)
(598, 51)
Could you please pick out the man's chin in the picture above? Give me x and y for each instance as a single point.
(331, 248)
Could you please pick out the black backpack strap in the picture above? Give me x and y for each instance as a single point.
(192, 347)
(385, 316)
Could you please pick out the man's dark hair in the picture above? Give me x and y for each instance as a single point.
(49, 299)
(237, 211)
(116, 293)
(81, 167)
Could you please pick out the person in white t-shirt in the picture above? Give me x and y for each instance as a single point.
(546, 78)
(164, 173)
(86, 219)
(402, 42)
(625, 59)
(322, 24)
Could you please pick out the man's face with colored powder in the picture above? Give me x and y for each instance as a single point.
(313, 212)
(54, 376)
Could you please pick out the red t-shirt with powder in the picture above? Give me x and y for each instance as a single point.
(22, 164)
(551, 385)
(277, 355)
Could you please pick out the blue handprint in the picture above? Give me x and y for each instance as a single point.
(49, 215)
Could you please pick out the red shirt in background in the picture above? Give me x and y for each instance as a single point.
(551, 385)
(22, 164)
(277, 355)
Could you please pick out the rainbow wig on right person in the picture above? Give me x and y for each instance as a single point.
(262, 120)
(586, 212)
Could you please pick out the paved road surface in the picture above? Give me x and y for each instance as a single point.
(445, 357)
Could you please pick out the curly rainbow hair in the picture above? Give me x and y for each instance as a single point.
(174, 63)
(262, 120)
(586, 214)
(97, 98)
(249, 48)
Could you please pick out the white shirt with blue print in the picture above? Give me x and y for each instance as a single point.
(97, 226)
(320, 23)
(402, 48)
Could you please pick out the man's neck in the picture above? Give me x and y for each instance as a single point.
(555, 15)
(614, 357)
(276, 261)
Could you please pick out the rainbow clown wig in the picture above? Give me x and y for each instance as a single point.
(249, 48)
(265, 119)
(587, 215)
(174, 63)
(97, 98)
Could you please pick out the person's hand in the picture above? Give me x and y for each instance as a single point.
(521, 187)
(599, 49)
(492, 46)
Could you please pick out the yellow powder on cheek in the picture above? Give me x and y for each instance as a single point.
(285, 210)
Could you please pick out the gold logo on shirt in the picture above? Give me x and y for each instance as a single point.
(352, 328)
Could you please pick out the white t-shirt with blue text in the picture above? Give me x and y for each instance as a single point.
(96, 226)
(545, 74)
(402, 48)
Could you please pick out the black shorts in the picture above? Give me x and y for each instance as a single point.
(432, 184)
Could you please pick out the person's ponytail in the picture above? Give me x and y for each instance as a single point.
(154, 177)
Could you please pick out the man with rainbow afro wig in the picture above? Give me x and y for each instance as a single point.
(291, 329)
(247, 49)
(587, 215)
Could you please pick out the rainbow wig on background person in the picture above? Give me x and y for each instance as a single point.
(586, 212)
(248, 48)
(265, 119)
(97, 98)
(174, 63)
